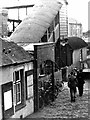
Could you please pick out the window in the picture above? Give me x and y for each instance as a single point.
(7, 100)
(29, 84)
(18, 87)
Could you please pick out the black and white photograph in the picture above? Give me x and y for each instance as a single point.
(44, 60)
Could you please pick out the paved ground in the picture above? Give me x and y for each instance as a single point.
(63, 108)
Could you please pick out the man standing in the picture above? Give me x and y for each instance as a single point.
(72, 86)
(81, 82)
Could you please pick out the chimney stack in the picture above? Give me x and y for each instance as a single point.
(3, 22)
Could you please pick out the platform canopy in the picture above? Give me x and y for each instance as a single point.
(34, 26)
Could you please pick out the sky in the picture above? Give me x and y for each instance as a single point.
(77, 9)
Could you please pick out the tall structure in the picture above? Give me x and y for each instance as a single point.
(3, 22)
(74, 28)
(63, 20)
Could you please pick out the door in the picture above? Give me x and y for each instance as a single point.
(7, 100)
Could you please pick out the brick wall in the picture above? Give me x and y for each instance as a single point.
(45, 52)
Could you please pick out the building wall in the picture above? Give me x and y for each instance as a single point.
(28, 66)
(66, 55)
(76, 56)
(69, 55)
(57, 54)
(42, 53)
(84, 51)
(74, 28)
(63, 20)
(27, 110)
(63, 31)
(6, 76)
(29, 107)
(76, 59)
(45, 52)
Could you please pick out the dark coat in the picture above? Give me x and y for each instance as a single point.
(72, 81)
(80, 78)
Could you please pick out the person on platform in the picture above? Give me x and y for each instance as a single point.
(72, 85)
(81, 82)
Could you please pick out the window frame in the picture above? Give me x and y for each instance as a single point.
(15, 83)
(21, 103)
(28, 73)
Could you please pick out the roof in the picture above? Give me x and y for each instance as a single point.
(76, 43)
(19, 6)
(11, 53)
(30, 47)
(34, 26)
